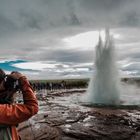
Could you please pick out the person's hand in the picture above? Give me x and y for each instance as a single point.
(16, 75)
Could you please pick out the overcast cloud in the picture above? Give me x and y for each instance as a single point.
(35, 31)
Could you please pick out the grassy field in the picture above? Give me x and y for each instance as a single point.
(79, 83)
(134, 79)
(84, 82)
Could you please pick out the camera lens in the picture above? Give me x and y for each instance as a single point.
(10, 83)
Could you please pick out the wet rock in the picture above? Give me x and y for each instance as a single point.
(61, 119)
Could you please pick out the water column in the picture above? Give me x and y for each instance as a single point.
(104, 84)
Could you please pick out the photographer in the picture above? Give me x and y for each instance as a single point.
(11, 114)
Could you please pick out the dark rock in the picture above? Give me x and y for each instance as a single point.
(59, 119)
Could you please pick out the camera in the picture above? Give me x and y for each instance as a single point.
(10, 83)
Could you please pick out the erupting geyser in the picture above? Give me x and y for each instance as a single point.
(104, 85)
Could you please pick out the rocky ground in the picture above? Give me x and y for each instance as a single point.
(61, 117)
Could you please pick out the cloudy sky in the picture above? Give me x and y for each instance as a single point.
(47, 39)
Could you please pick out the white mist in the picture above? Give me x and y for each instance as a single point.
(104, 86)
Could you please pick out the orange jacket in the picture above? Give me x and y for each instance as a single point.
(17, 113)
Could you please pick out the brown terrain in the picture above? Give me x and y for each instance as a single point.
(61, 117)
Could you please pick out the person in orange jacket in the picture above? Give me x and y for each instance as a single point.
(12, 114)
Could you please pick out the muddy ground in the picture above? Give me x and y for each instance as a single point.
(61, 117)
